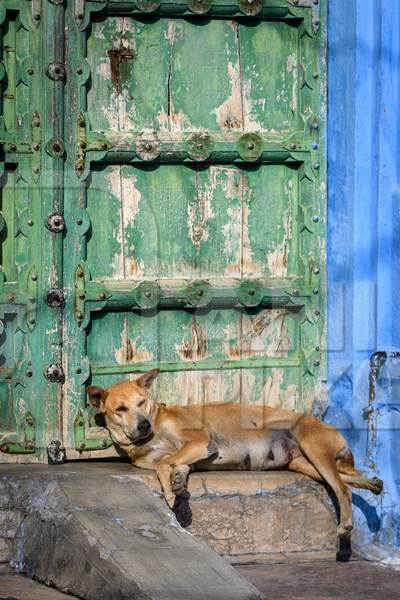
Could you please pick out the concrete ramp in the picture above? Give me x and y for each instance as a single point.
(94, 531)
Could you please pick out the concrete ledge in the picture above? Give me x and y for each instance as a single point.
(265, 515)
(97, 531)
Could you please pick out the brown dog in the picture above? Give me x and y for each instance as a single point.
(171, 440)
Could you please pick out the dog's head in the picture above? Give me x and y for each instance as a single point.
(127, 408)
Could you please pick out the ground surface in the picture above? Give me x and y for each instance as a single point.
(355, 580)
(17, 587)
(321, 580)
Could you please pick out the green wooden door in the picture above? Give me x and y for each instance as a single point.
(191, 146)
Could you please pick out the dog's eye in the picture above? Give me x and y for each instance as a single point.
(141, 402)
(122, 408)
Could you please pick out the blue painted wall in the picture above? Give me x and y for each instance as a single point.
(364, 244)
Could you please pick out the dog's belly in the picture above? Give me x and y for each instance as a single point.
(274, 451)
(236, 457)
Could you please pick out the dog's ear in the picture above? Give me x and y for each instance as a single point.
(97, 396)
(145, 380)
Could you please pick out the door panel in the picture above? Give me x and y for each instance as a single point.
(180, 148)
(201, 203)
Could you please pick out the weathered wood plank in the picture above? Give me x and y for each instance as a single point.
(269, 65)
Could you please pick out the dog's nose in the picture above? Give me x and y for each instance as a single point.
(144, 426)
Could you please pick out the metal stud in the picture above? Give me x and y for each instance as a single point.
(315, 291)
(79, 221)
(315, 218)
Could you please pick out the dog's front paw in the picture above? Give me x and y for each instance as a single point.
(179, 477)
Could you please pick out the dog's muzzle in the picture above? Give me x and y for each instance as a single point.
(143, 430)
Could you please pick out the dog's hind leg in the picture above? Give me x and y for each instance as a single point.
(191, 453)
(320, 444)
(354, 477)
(302, 465)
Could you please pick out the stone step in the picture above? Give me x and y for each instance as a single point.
(249, 516)
(96, 531)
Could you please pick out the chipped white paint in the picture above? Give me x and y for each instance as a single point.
(278, 257)
(249, 266)
(275, 395)
(131, 350)
(265, 335)
(229, 114)
(197, 347)
(113, 178)
(200, 210)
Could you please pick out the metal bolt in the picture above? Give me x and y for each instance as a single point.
(104, 146)
(147, 294)
(148, 146)
(293, 146)
(251, 292)
(79, 71)
(315, 291)
(315, 146)
(78, 371)
(82, 445)
(315, 218)
(29, 71)
(316, 363)
(316, 22)
(317, 348)
(316, 271)
(11, 298)
(34, 277)
(317, 312)
(36, 170)
(316, 166)
(199, 292)
(81, 123)
(315, 125)
(315, 75)
(103, 295)
(32, 321)
(81, 296)
(250, 1)
(30, 222)
(83, 145)
(79, 315)
(79, 221)
(200, 146)
(295, 292)
(29, 422)
(56, 147)
(250, 146)
(36, 122)
(35, 147)
(36, 17)
(295, 1)
(13, 148)
(56, 221)
(80, 273)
